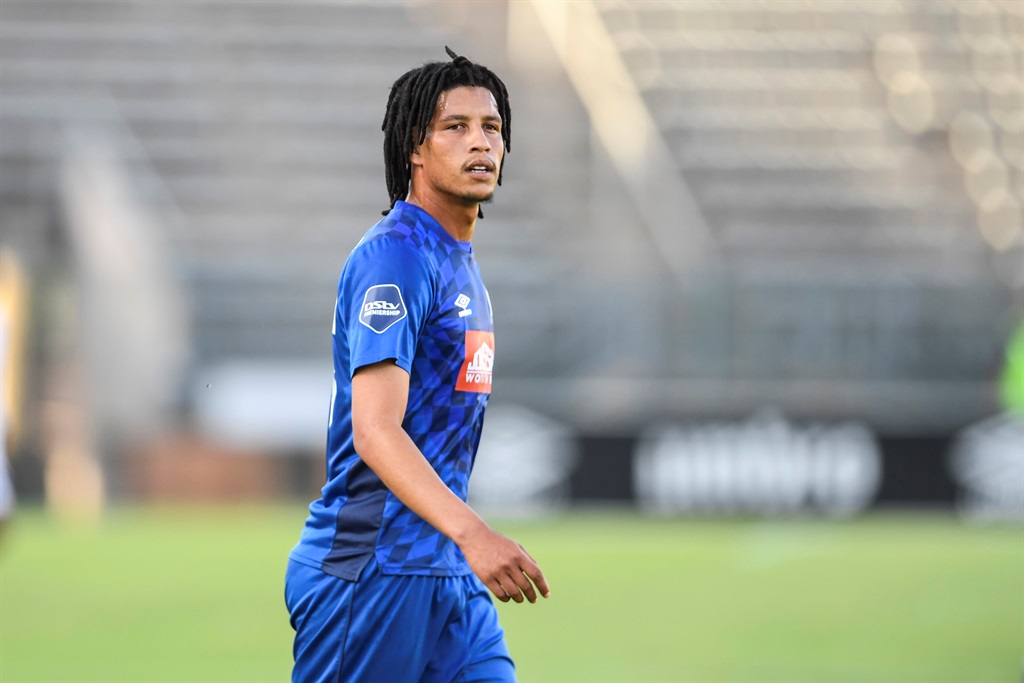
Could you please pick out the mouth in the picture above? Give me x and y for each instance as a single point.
(480, 167)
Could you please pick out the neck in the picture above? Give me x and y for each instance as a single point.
(458, 219)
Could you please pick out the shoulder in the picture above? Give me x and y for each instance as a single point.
(389, 251)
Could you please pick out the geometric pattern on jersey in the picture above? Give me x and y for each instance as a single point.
(440, 303)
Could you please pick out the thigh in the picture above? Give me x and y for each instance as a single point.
(319, 607)
(380, 628)
(495, 670)
(472, 648)
(396, 623)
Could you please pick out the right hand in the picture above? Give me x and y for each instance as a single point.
(504, 566)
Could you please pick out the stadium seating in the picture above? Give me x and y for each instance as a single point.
(261, 124)
(859, 165)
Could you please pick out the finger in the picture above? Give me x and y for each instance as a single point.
(525, 586)
(498, 590)
(511, 589)
(537, 576)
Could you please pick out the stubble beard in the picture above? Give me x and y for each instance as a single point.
(473, 199)
(465, 196)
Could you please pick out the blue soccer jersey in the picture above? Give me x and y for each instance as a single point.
(409, 292)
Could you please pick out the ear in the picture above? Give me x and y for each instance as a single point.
(415, 158)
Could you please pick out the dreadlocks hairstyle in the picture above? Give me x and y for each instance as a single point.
(411, 107)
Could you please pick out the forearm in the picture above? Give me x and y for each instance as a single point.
(392, 455)
(501, 563)
(379, 394)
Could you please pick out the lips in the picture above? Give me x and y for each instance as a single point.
(479, 167)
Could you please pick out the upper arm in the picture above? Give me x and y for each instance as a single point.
(386, 294)
(380, 393)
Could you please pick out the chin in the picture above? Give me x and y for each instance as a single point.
(469, 200)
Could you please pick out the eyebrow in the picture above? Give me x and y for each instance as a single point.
(464, 117)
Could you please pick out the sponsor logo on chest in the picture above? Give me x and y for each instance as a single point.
(477, 368)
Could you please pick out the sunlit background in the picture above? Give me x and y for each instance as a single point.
(758, 278)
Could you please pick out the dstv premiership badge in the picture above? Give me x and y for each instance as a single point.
(382, 307)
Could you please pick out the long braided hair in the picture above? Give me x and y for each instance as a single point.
(411, 107)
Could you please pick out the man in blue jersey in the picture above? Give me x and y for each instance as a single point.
(389, 581)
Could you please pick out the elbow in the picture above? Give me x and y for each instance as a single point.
(367, 435)
(362, 437)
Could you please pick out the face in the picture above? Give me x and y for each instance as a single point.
(461, 155)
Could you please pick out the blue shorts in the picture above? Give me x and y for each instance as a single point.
(398, 629)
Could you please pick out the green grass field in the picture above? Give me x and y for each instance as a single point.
(195, 594)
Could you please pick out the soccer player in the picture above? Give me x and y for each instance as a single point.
(389, 581)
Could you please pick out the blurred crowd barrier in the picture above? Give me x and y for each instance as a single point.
(762, 465)
(749, 256)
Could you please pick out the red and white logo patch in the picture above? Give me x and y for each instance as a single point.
(475, 374)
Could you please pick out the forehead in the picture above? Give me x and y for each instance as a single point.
(474, 101)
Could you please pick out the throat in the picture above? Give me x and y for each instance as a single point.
(456, 216)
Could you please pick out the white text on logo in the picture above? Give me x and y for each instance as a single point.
(381, 308)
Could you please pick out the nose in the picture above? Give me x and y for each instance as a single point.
(479, 141)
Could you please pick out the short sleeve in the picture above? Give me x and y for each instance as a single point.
(386, 293)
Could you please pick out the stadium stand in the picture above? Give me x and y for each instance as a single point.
(857, 166)
(252, 134)
(255, 118)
